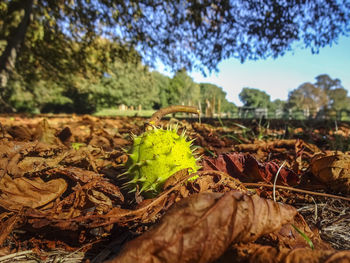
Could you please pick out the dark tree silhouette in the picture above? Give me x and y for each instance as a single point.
(182, 33)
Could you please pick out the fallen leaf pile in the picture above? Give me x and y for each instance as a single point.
(61, 195)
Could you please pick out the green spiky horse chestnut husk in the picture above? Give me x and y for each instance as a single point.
(155, 156)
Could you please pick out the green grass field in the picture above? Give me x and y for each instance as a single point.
(117, 112)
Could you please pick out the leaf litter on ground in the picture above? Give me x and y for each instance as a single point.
(83, 208)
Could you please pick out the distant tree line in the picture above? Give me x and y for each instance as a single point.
(128, 82)
(123, 82)
(121, 78)
(326, 97)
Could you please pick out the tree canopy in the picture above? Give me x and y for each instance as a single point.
(309, 97)
(184, 90)
(254, 98)
(182, 34)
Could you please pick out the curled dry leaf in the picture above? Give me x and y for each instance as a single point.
(21, 133)
(200, 228)
(19, 158)
(261, 254)
(95, 198)
(41, 132)
(248, 169)
(44, 133)
(295, 151)
(215, 181)
(207, 181)
(103, 203)
(35, 164)
(98, 196)
(333, 170)
(74, 173)
(23, 192)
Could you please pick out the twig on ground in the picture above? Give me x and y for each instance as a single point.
(15, 255)
(297, 190)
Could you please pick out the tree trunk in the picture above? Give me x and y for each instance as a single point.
(9, 55)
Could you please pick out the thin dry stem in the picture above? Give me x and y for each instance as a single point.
(275, 181)
(297, 190)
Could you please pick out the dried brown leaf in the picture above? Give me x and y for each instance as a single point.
(102, 202)
(45, 134)
(34, 164)
(267, 254)
(333, 170)
(7, 227)
(215, 181)
(200, 228)
(206, 181)
(21, 133)
(75, 173)
(86, 156)
(18, 158)
(101, 141)
(23, 192)
(95, 198)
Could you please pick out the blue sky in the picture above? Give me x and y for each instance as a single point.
(277, 77)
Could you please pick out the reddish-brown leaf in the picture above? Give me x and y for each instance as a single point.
(246, 168)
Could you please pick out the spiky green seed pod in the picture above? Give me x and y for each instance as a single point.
(155, 156)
